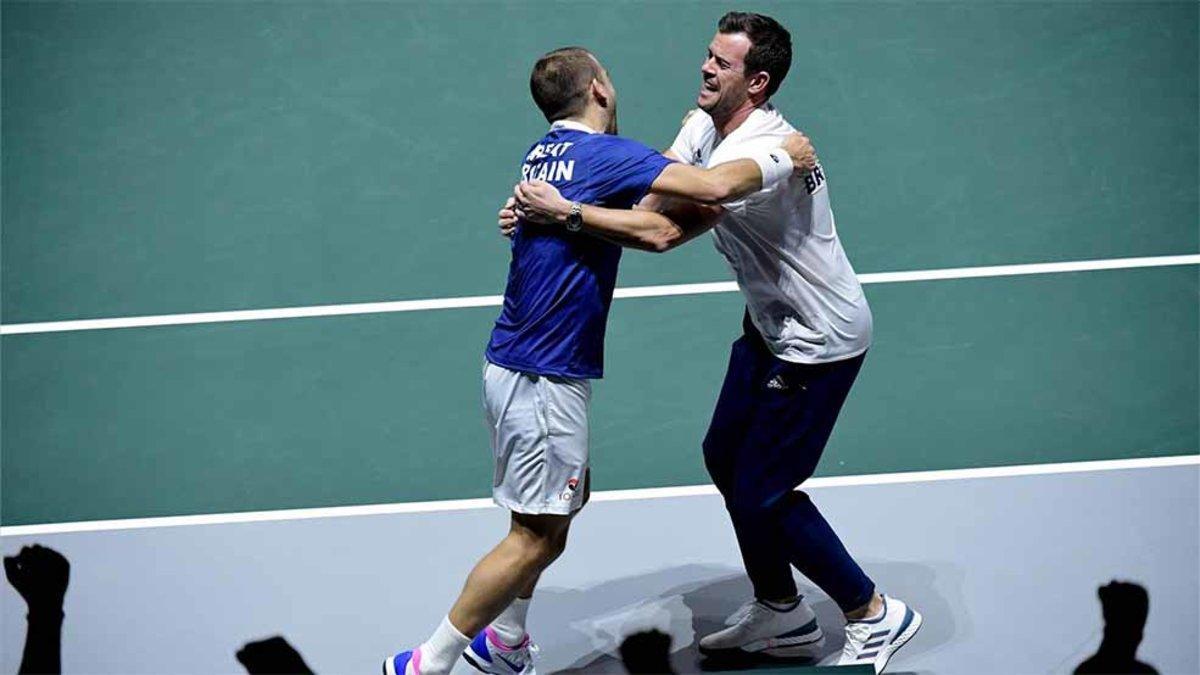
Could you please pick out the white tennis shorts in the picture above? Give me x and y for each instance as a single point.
(539, 432)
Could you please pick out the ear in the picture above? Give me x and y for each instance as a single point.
(758, 84)
(599, 94)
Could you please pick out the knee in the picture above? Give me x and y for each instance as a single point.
(743, 509)
(540, 546)
(539, 551)
(758, 507)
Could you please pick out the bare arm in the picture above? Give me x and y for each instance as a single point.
(662, 229)
(721, 183)
(731, 180)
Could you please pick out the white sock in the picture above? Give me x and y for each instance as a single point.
(441, 651)
(510, 625)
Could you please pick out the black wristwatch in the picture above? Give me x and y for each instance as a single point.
(575, 217)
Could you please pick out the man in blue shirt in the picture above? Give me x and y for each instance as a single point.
(549, 342)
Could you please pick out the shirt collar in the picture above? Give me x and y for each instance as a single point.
(571, 124)
(765, 108)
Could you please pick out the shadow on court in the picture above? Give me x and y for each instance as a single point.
(688, 601)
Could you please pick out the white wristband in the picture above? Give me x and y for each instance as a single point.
(776, 166)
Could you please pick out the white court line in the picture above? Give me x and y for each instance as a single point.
(604, 496)
(634, 292)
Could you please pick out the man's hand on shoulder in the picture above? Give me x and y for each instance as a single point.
(800, 149)
(540, 202)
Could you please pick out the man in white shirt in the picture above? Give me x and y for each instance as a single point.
(807, 330)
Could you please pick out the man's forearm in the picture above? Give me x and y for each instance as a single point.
(670, 224)
(762, 169)
(721, 183)
(637, 228)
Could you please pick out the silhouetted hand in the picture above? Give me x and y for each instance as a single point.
(273, 656)
(40, 575)
(647, 652)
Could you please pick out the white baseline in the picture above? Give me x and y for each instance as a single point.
(633, 292)
(604, 496)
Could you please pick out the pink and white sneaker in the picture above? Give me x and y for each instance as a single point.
(488, 654)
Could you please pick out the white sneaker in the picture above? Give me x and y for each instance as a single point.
(757, 628)
(876, 640)
(489, 655)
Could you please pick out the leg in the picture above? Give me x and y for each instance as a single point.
(539, 430)
(766, 563)
(794, 422)
(777, 623)
(526, 591)
(509, 628)
(533, 542)
(513, 566)
(796, 407)
(820, 555)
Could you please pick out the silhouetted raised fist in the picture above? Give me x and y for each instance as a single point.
(40, 575)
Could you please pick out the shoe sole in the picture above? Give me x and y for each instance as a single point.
(802, 649)
(798, 650)
(467, 656)
(901, 640)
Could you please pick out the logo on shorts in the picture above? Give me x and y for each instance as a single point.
(569, 494)
(777, 383)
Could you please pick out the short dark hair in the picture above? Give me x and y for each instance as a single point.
(560, 81)
(770, 45)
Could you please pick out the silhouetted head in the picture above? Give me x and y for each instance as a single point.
(1125, 606)
(647, 652)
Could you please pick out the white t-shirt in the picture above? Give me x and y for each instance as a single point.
(782, 244)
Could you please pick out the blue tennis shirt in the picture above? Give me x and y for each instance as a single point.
(560, 283)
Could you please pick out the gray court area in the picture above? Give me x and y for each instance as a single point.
(1007, 585)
